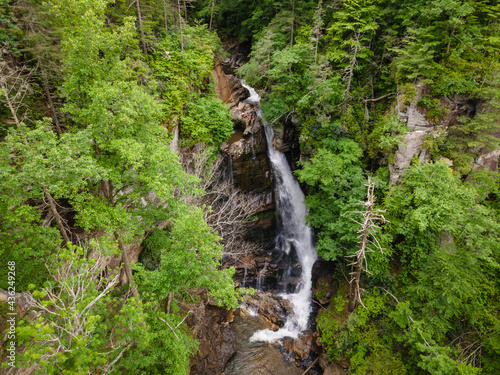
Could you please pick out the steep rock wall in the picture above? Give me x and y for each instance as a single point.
(420, 125)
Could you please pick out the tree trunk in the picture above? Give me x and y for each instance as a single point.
(180, 23)
(350, 71)
(354, 293)
(211, 16)
(126, 265)
(49, 98)
(316, 50)
(165, 15)
(293, 21)
(367, 227)
(317, 28)
(53, 209)
(141, 29)
(10, 105)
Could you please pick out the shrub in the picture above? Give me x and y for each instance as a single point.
(207, 120)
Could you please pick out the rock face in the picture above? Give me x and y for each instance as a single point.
(217, 341)
(246, 149)
(488, 160)
(228, 87)
(420, 125)
(249, 168)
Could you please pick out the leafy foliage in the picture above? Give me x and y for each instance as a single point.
(207, 120)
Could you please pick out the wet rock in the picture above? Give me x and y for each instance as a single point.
(303, 347)
(270, 307)
(239, 54)
(254, 269)
(217, 341)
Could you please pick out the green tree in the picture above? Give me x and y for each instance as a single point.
(37, 166)
(336, 183)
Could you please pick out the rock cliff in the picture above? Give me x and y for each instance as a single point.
(421, 122)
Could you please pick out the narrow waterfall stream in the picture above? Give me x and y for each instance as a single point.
(256, 354)
(294, 235)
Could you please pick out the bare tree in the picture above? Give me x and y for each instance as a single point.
(318, 24)
(211, 15)
(229, 209)
(14, 86)
(56, 215)
(367, 231)
(165, 15)
(65, 301)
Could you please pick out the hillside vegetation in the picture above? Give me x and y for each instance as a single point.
(92, 93)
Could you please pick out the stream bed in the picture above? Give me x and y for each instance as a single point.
(256, 358)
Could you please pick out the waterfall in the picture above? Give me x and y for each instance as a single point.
(254, 97)
(230, 169)
(252, 144)
(260, 278)
(294, 234)
(243, 283)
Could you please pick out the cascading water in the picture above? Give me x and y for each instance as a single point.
(295, 239)
(294, 234)
(260, 278)
(254, 98)
(243, 283)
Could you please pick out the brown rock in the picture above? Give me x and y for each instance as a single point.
(228, 88)
(334, 369)
(488, 160)
(217, 341)
(302, 346)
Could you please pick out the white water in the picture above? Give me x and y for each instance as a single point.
(294, 234)
(254, 98)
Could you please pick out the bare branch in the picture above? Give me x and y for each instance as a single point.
(366, 232)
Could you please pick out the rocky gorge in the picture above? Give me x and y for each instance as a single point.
(268, 270)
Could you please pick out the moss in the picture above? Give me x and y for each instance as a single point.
(407, 94)
(263, 215)
(4, 309)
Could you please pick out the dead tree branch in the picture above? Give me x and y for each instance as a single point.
(367, 231)
(229, 210)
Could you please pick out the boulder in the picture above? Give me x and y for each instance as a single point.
(270, 307)
(334, 369)
(302, 347)
(488, 160)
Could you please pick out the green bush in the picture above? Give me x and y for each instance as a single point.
(207, 120)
